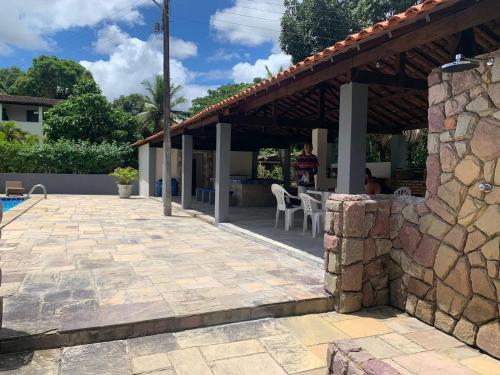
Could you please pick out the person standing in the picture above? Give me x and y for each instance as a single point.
(306, 167)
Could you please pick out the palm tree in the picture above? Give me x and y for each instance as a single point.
(270, 74)
(150, 119)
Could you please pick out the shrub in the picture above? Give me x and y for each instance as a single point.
(125, 176)
(65, 157)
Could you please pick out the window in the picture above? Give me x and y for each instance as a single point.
(31, 115)
(5, 116)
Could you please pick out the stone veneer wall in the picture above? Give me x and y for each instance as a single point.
(443, 264)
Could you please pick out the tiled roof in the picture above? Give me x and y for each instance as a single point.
(350, 41)
(27, 100)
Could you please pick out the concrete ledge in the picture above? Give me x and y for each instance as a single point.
(17, 342)
(20, 209)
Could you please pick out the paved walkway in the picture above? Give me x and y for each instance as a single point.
(294, 345)
(116, 268)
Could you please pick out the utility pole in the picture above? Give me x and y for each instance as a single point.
(167, 143)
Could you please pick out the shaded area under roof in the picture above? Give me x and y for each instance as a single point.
(393, 57)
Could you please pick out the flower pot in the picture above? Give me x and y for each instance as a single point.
(124, 191)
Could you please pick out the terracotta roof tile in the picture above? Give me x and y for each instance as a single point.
(350, 40)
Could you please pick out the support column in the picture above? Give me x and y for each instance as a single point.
(222, 171)
(147, 169)
(320, 145)
(255, 164)
(1, 112)
(399, 153)
(187, 170)
(285, 155)
(352, 138)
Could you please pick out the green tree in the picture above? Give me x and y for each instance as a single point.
(150, 118)
(133, 103)
(50, 77)
(8, 77)
(9, 132)
(309, 26)
(216, 96)
(88, 116)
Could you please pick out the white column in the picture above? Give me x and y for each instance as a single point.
(399, 153)
(222, 171)
(320, 149)
(352, 138)
(147, 169)
(1, 112)
(187, 170)
(40, 115)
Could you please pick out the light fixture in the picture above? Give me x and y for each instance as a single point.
(461, 64)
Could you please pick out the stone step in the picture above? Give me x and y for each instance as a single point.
(12, 341)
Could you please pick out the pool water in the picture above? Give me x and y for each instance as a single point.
(8, 203)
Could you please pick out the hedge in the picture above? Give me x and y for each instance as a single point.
(65, 157)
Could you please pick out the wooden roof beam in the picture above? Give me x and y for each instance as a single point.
(401, 81)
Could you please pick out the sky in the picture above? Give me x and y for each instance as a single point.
(212, 42)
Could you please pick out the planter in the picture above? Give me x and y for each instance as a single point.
(125, 191)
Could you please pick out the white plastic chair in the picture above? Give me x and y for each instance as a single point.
(311, 209)
(281, 199)
(402, 191)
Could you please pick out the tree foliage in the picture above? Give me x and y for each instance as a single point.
(215, 96)
(151, 116)
(133, 103)
(309, 26)
(88, 116)
(8, 77)
(9, 132)
(50, 77)
(65, 157)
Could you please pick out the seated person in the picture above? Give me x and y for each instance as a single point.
(371, 186)
(374, 186)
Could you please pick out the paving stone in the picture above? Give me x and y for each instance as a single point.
(432, 363)
(148, 363)
(377, 347)
(291, 354)
(188, 361)
(232, 349)
(249, 365)
(401, 343)
(433, 339)
(147, 345)
(483, 365)
(312, 329)
(362, 327)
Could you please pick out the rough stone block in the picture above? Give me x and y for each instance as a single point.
(383, 246)
(481, 104)
(396, 222)
(433, 167)
(434, 78)
(488, 338)
(333, 205)
(463, 81)
(484, 143)
(381, 228)
(474, 240)
(453, 193)
(340, 363)
(352, 250)
(331, 242)
(439, 93)
(351, 278)
(491, 249)
(382, 297)
(417, 287)
(433, 143)
(449, 301)
(425, 311)
(435, 116)
(444, 322)
(480, 310)
(410, 214)
(456, 238)
(488, 221)
(425, 254)
(370, 250)
(409, 235)
(368, 294)
(330, 283)
(456, 104)
(397, 294)
(434, 226)
(482, 284)
(349, 302)
(466, 123)
(465, 331)
(459, 277)
(494, 93)
(411, 304)
(333, 262)
(446, 258)
(353, 220)
(468, 170)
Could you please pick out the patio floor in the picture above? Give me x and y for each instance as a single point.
(80, 269)
(284, 346)
(259, 223)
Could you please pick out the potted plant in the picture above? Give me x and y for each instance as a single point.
(126, 176)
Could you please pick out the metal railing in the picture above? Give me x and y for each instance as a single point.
(38, 186)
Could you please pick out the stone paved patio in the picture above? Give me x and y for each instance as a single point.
(74, 263)
(293, 345)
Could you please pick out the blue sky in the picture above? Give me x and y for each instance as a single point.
(213, 41)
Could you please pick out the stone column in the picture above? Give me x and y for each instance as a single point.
(187, 170)
(352, 138)
(320, 145)
(357, 245)
(399, 153)
(222, 172)
(147, 170)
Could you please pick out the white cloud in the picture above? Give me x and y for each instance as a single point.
(248, 23)
(222, 55)
(246, 72)
(132, 60)
(182, 49)
(29, 23)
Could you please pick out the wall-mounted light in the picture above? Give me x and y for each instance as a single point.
(461, 64)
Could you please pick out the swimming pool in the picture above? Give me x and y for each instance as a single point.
(8, 203)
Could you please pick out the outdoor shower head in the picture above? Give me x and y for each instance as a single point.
(461, 64)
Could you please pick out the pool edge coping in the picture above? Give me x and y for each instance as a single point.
(20, 209)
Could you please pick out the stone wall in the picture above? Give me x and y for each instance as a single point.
(344, 357)
(442, 263)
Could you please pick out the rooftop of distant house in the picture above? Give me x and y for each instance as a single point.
(27, 100)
